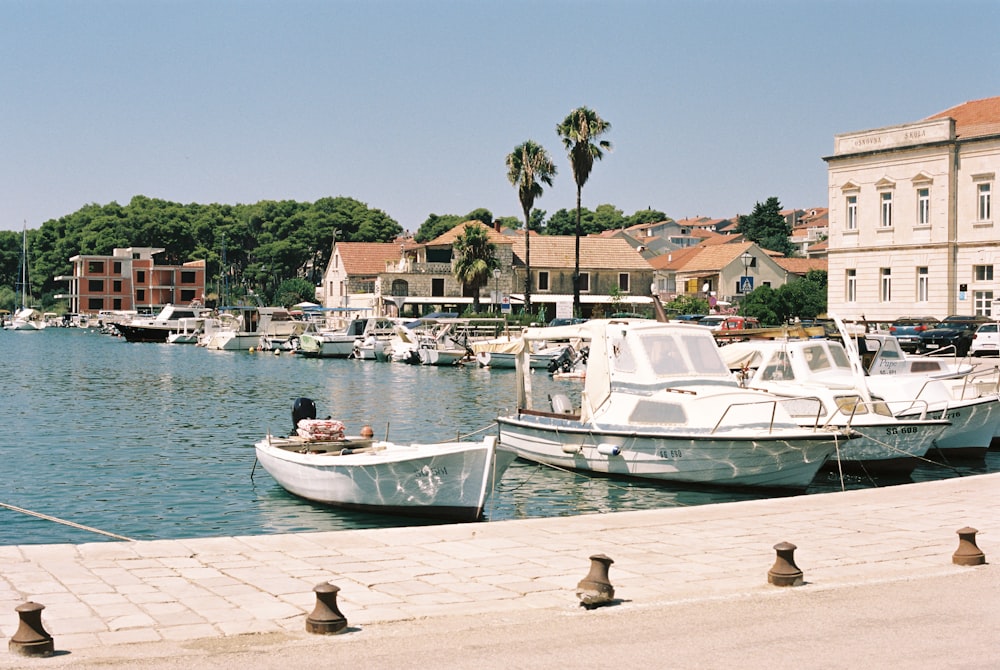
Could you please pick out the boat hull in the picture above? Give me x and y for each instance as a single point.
(440, 357)
(973, 425)
(133, 333)
(317, 346)
(448, 481)
(751, 459)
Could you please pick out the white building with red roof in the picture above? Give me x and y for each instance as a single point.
(912, 226)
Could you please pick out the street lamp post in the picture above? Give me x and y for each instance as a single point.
(747, 258)
(496, 289)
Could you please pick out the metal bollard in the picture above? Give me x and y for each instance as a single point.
(968, 553)
(595, 589)
(784, 572)
(31, 638)
(326, 619)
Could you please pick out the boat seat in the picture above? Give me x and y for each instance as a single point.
(560, 404)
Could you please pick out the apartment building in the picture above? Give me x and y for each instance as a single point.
(911, 223)
(130, 281)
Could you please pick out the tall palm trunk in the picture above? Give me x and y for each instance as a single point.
(577, 310)
(527, 261)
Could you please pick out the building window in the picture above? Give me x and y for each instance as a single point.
(116, 286)
(116, 267)
(852, 212)
(543, 280)
(584, 281)
(188, 294)
(623, 282)
(95, 267)
(983, 303)
(187, 276)
(116, 303)
(923, 206)
(140, 277)
(437, 286)
(140, 295)
(95, 304)
(886, 199)
(886, 293)
(400, 287)
(95, 285)
(984, 202)
(923, 285)
(851, 286)
(982, 272)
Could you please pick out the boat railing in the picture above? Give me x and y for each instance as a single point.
(774, 409)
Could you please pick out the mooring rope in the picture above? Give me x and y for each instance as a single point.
(65, 522)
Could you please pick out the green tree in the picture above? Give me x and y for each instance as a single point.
(294, 291)
(436, 225)
(580, 132)
(528, 167)
(476, 258)
(646, 216)
(764, 304)
(687, 304)
(563, 221)
(766, 227)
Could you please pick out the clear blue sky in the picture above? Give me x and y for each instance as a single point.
(411, 106)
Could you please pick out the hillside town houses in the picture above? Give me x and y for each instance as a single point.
(908, 228)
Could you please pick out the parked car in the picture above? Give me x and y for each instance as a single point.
(565, 321)
(986, 340)
(907, 330)
(952, 336)
(722, 322)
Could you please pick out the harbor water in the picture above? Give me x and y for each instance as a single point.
(155, 441)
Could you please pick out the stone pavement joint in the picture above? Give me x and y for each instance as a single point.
(111, 593)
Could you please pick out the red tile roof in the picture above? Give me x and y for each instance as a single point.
(448, 238)
(366, 258)
(974, 118)
(600, 253)
(800, 266)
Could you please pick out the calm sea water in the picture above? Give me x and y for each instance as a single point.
(154, 441)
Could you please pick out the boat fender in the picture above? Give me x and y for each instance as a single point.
(609, 449)
(571, 448)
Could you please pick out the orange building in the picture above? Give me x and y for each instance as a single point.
(130, 281)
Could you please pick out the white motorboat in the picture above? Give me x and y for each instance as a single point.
(881, 355)
(971, 402)
(448, 480)
(187, 332)
(659, 403)
(159, 327)
(250, 327)
(501, 352)
(822, 388)
(345, 342)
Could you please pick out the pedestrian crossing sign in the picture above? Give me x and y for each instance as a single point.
(746, 284)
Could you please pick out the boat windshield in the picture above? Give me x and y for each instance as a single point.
(682, 355)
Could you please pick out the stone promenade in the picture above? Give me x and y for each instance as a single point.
(104, 594)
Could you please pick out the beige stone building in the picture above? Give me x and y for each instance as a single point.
(912, 229)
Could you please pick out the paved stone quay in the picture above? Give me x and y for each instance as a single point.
(103, 594)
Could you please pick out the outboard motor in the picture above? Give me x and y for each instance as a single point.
(564, 361)
(302, 408)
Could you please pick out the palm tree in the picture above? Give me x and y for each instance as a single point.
(580, 132)
(528, 165)
(476, 259)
